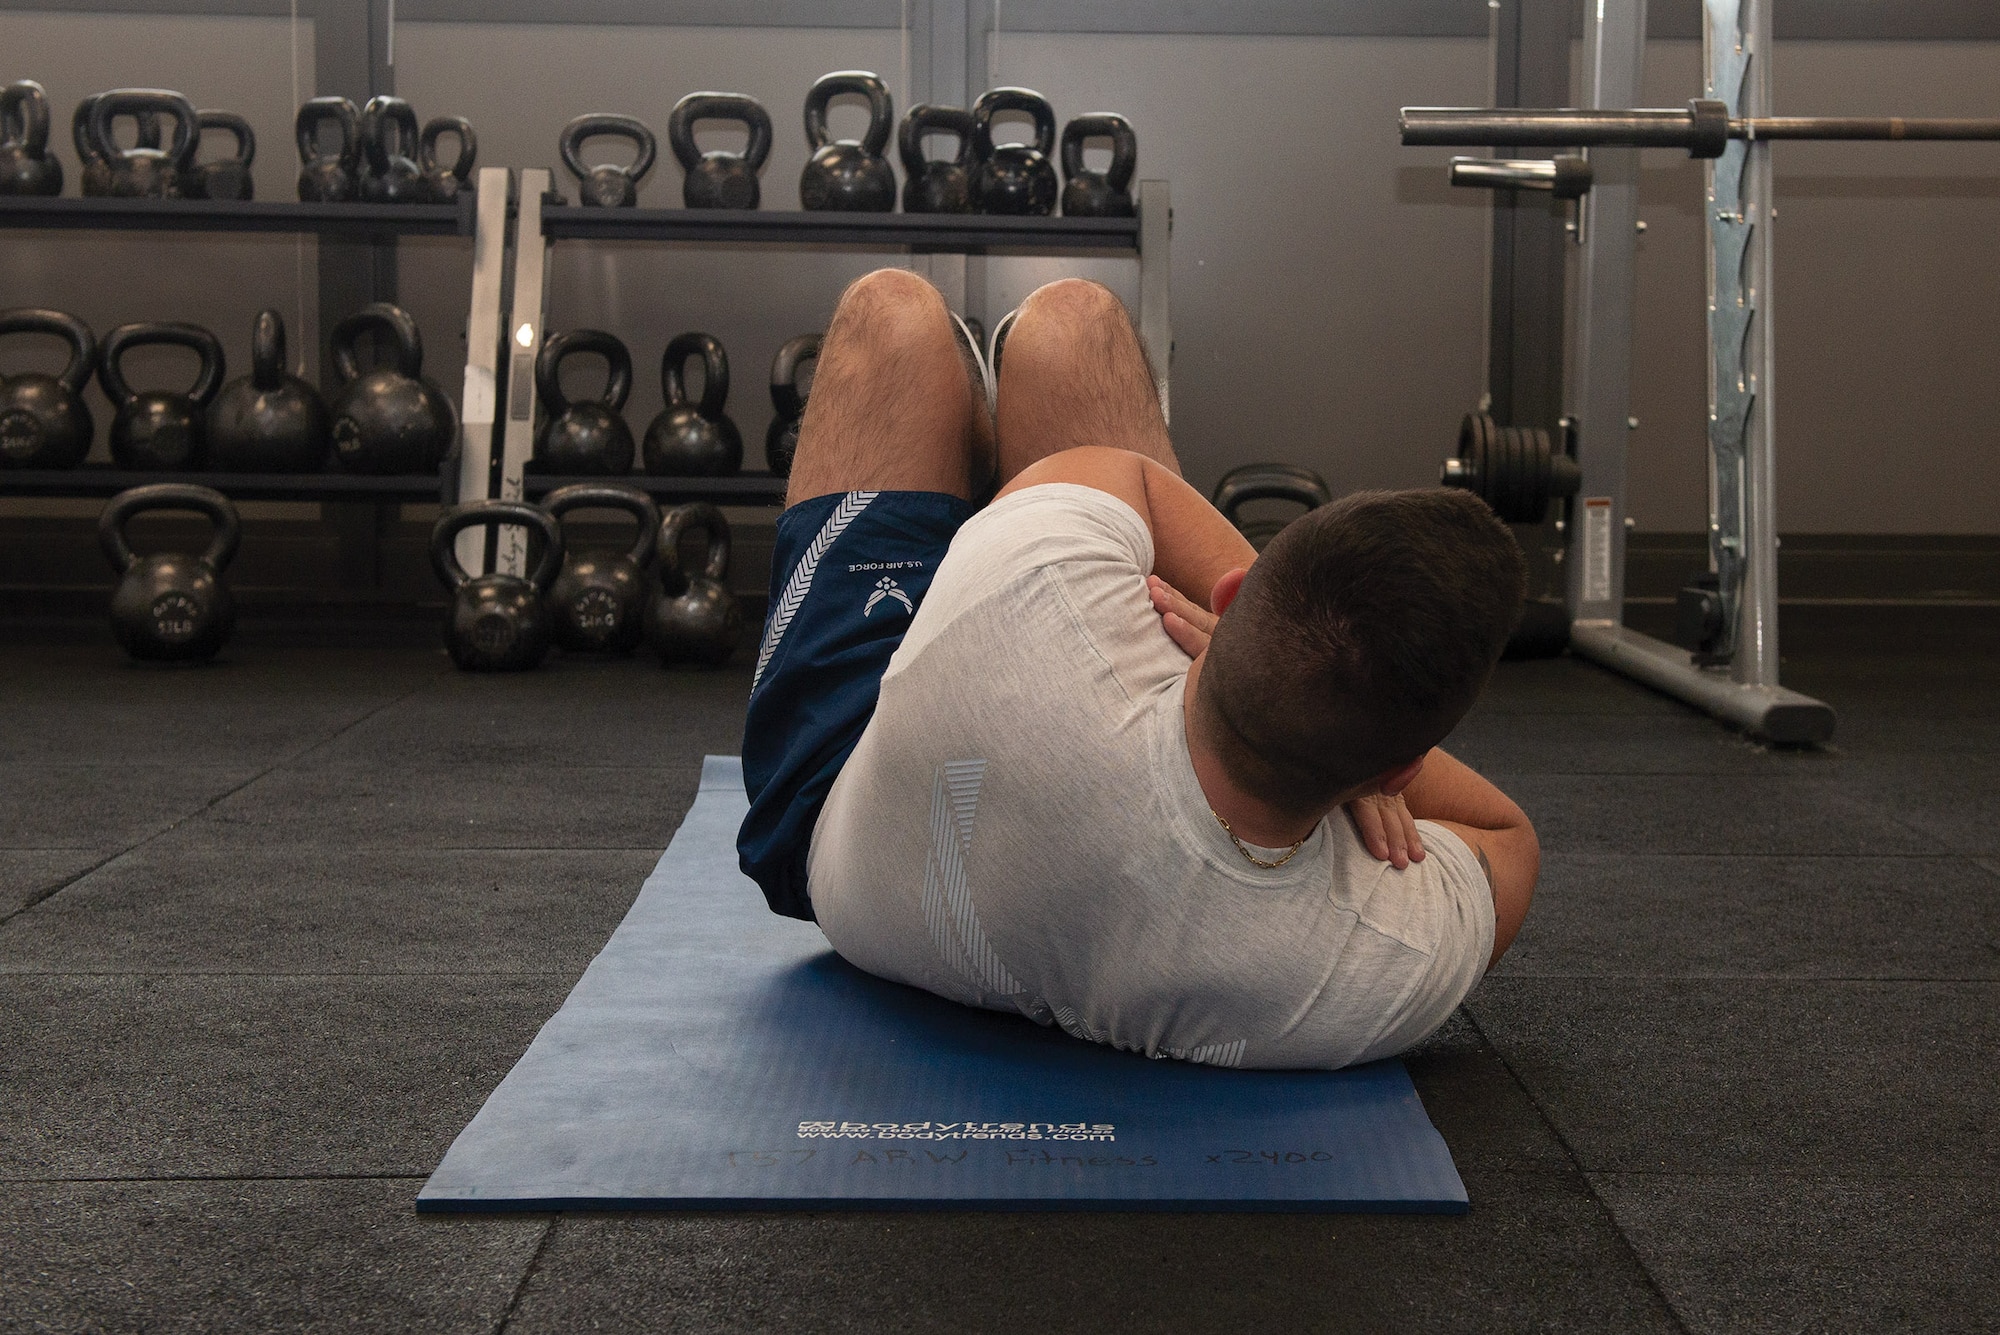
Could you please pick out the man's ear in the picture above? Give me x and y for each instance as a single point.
(1396, 780)
(1225, 590)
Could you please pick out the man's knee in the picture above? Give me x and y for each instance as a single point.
(891, 300)
(1074, 302)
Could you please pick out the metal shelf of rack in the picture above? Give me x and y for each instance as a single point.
(756, 488)
(191, 215)
(923, 232)
(97, 480)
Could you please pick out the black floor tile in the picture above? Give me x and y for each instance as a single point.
(105, 808)
(1630, 916)
(1729, 1075)
(176, 906)
(1536, 1253)
(1797, 814)
(1776, 1253)
(1951, 801)
(244, 1256)
(1571, 686)
(1480, 1109)
(1621, 744)
(27, 874)
(132, 1075)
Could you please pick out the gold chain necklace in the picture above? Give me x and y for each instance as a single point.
(1256, 861)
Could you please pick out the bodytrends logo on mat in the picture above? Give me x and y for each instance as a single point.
(957, 1131)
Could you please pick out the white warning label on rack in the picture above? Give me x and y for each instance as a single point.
(1597, 549)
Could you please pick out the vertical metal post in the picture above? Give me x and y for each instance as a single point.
(1742, 529)
(1156, 323)
(1601, 383)
(482, 353)
(938, 44)
(523, 343)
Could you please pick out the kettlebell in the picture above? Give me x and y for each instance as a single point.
(145, 173)
(1105, 194)
(1013, 178)
(328, 178)
(496, 623)
(225, 178)
(598, 602)
(587, 437)
(270, 421)
(43, 421)
(1267, 482)
(608, 185)
(694, 440)
(936, 185)
(390, 419)
(781, 438)
(442, 184)
(389, 148)
(159, 428)
(95, 174)
(26, 167)
(694, 618)
(171, 607)
(717, 179)
(848, 175)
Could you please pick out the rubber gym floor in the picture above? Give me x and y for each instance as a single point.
(271, 930)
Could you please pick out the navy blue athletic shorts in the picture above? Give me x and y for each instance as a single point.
(849, 572)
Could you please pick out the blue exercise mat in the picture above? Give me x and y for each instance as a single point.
(715, 1055)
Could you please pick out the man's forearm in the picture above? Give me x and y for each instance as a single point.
(1449, 790)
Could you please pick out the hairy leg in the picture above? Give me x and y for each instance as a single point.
(896, 403)
(1073, 372)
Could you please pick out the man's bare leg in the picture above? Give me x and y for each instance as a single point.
(1073, 372)
(894, 405)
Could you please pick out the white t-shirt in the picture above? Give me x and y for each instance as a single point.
(1020, 828)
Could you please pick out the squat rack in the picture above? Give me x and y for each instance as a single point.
(1734, 674)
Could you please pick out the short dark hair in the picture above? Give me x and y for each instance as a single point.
(1361, 636)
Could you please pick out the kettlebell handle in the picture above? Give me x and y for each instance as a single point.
(703, 518)
(489, 514)
(792, 355)
(170, 496)
(267, 350)
(1270, 482)
(24, 106)
(718, 107)
(714, 367)
(317, 112)
(924, 118)
(379, 118)
(235, 126)
(82, 343)
(600, 125)
(570, 343)
(996, 100)
(191, 336)
(86, 147)
(468, 146)
(1100, 125)
(401, 328)
(134, 101)
(609, 496)
(881, 108)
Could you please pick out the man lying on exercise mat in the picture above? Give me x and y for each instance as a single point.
(978, 753)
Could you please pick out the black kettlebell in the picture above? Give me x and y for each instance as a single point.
(936, 185)
(43, 421)
(171, 607)
(224, 178)
(849, 175)
(328, 177)
(694, 618)
(159, 429)
(1105, 194)
(270, 421)
(694, 439)
(496, 623)
(598, 603)
(608, 185)
(1267, 482)
(389, 148)
(442, 184)
(1013, 178)
(717, 179)
(389, 419)
(145, 173)
(781, 438)
(26, 167)
(95, 176)
(587, 437)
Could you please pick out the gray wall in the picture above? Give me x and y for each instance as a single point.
(1328, 287)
